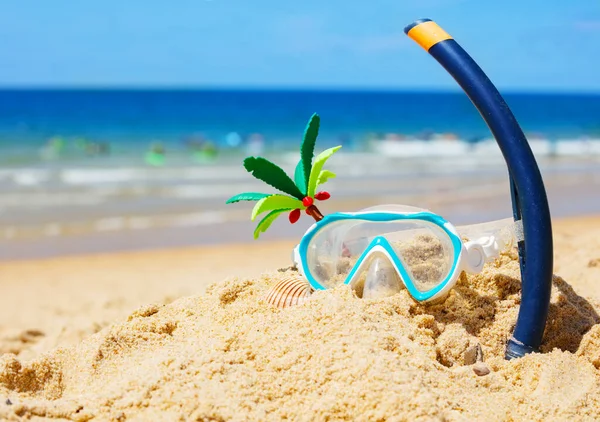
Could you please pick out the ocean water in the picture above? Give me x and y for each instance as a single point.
(82, 164)
(129, 120)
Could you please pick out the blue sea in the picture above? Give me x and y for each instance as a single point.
(129, 121)
(96, 170)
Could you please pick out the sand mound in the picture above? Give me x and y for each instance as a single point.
(228, 355)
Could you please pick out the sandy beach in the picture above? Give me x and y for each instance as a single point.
(185, 334)
(183, 197)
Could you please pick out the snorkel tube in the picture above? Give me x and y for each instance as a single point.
(529, 200)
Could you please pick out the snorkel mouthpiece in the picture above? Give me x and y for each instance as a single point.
(529, 200)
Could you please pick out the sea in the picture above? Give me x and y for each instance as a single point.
(117, 169)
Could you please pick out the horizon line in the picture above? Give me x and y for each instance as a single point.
(282, 88)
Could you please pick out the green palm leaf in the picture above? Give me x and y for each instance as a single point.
(307, 149)
(299, 178)
(317, 167)
(324, 176)
(272, 174)
(266, 222)
(275, 202)
(247, 196)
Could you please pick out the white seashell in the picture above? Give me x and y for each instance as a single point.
(289, 291)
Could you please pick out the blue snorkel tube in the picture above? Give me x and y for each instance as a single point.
(529, 200)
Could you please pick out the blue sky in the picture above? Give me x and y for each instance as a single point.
(521, 44)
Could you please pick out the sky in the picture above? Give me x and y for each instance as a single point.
(527, 45)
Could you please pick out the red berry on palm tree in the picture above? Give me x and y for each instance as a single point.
(294, 216)
(322, 196)
(307, 201)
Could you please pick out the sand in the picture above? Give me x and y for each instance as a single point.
(187, 335)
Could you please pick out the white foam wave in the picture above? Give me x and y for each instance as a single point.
(210, 191)
(124, 223)
(48, 199)
(53, 229)
(9, 232)
(487, 148)
(96, 176)
(198, 219)
(110, 224)
(139, 223)
(28, 177)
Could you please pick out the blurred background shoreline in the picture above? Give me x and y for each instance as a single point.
(85, 171)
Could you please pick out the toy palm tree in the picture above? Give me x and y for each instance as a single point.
(301, 192)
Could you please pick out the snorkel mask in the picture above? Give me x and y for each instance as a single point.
(379, 249)
(383, 248)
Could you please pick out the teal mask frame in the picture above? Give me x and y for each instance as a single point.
(379, 216)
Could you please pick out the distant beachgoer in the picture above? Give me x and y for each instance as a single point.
(92, 148)
(426, 135)
(194, 142)
(449, 136)
(233, 139)
(206, 153)
(156, 155)
(98, 148)
(95, 148)
(53, 149)
(393, 137)
(104, 148)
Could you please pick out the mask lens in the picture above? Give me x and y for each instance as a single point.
(426, 254)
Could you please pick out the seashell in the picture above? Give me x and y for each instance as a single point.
(289, 291)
